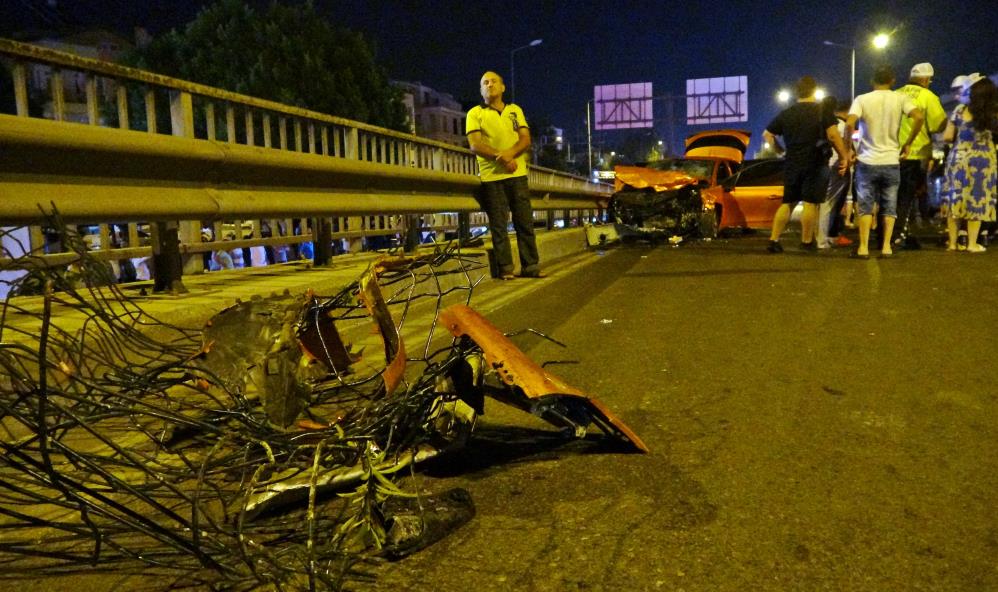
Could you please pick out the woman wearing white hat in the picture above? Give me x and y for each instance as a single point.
(970, 187)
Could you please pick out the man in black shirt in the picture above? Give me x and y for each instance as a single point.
(807, 130)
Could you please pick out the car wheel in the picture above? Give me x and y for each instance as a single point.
(710, 221)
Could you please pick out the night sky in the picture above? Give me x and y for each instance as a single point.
(447, 44)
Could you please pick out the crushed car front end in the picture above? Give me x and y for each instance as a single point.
(650, 203)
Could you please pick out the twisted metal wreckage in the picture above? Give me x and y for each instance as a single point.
(207, 457)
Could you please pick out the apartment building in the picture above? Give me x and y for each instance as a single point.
(433, 114)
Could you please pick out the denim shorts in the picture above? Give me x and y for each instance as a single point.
(877, 184)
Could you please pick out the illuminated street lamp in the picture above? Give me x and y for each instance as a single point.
(819, 93)
(783, 96)
(512, 68)
(879, 42)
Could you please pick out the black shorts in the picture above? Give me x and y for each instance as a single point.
(807, 184)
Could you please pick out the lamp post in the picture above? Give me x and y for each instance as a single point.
(589, 137)
(512, 68)
(852, 67)
(880, 41)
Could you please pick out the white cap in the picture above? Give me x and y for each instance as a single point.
(923, 70)
(972, 79)
(958, 81)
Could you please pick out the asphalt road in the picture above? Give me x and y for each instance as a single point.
(816, 423)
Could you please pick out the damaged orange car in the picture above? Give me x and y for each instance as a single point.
(710, 190)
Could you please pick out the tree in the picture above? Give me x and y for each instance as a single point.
(636, 146)
(287, 54)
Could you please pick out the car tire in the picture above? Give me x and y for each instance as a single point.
(709, 223)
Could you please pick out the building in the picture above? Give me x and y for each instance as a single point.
(433, 114)
(551, 136)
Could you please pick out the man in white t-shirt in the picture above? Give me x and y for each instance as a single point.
(878, 172)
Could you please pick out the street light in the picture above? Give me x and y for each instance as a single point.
(512, 69)
(819, 94)
(880, 41)
(783, 95)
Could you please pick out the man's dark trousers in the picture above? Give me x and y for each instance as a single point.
(912, 180)
(499, 199)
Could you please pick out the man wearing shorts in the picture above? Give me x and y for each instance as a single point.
(807, 130)
(878, 172)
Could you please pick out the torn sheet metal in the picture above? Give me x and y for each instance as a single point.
(370, 295)
(531, 387)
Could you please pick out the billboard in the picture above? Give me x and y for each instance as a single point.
(716, 100)
(623, 106)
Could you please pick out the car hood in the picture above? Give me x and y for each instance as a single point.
(644, 178)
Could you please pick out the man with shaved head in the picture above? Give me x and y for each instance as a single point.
(498, 135)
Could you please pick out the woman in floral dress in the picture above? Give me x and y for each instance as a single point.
(971, 184)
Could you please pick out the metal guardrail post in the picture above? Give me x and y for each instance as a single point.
(463, 226)
(352, 141)
(182, 125)
(93, 109)
(166, 260)
(58, 95)
(413, 228)
(322, 241)
(20, 74)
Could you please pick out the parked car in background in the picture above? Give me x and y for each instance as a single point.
(710, 190)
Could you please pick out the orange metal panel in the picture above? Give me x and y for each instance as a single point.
(514, 368)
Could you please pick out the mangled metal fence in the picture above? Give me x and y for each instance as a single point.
(209, 457)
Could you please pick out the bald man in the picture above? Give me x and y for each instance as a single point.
(498, 135)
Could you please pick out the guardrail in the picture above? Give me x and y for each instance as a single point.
(187, 161)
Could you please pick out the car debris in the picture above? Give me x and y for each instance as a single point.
(265, 449)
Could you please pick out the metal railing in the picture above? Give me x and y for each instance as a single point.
(139, 152)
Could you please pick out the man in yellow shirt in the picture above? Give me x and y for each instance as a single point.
(914, 167)
(498, 135)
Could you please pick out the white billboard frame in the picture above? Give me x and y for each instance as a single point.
(623, 106)
(716, 100)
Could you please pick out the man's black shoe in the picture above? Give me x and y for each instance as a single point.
(774, 247)
(811, 246)
(911, 243)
